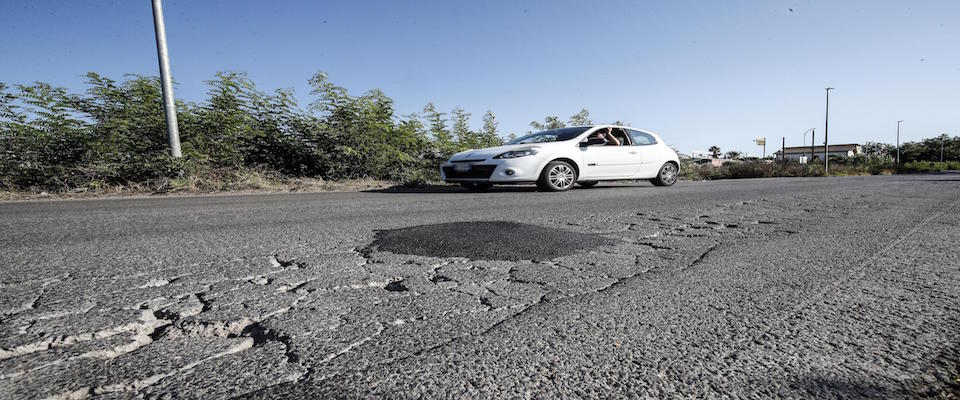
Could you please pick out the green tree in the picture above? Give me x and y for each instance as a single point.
(460, 120)
(226, 120)
(929, 149)
(581, 118)
(733, 154)
(714, 151)
(488, 135)
(359, 137)
(878, 151)
(128, 131)
(45, 142)
(549, 122)
(437, 124)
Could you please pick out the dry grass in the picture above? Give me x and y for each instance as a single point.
(221, 181)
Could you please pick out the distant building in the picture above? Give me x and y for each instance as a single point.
(700, 154)
(843, 150)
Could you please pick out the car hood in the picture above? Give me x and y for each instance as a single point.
(490, 152)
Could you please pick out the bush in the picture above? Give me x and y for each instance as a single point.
(761, 169)
(115, 134)
(929, 166)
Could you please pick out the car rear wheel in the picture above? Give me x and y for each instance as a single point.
(667, 175)
(588, 184)
(557, 176)
(477, 186)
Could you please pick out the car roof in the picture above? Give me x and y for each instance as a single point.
(592, 127)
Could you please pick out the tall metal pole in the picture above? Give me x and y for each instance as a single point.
(942, 137)
(813, 135)
(805, 141)
(826, 136)
(898, 141)
(166, 81)
(802, 142)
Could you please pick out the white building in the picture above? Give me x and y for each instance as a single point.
(795, 153)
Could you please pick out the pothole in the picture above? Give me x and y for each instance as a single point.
(486, 240)
(397, 286)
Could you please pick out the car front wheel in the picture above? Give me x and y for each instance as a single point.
(667, 175)
(557, 176)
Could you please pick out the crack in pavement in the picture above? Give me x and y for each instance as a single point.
(542, 300)
(855, 273)
(690, 240)
(147, 323)
(140, 384)
(173, 326)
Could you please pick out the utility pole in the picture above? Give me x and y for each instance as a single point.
(826, 136)
(783, 149)
(166, 81)
(942, 137)
(898, 141)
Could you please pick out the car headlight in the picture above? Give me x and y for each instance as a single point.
(517, 153)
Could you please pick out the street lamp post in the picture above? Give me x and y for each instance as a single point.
(812, 139)
(898, 141)
(166, 81)
(811, 142)
(826, 135)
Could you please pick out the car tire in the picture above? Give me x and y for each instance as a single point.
(588, 184)
(557, 176)
(667, 176)
(476, 186)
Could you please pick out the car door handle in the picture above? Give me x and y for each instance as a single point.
(633, 152)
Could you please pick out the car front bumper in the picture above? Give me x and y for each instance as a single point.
(515, 170)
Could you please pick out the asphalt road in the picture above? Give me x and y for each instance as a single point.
(808, 287)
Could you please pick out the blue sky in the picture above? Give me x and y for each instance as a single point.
(699, 73)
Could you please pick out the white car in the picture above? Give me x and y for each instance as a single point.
(556, 159)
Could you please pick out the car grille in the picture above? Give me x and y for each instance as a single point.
(475, 172)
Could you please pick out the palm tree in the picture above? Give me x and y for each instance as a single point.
(714, 151)
(733, 154)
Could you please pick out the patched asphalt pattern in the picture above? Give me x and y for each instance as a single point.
(766, 288)
(486, 240)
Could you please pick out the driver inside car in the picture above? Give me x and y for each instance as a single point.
(607, 136)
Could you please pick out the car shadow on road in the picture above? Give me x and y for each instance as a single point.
(495, 189)
(450, 189)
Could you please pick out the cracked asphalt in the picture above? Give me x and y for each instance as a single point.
(797, 288)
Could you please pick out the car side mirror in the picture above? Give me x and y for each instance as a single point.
(592, 141)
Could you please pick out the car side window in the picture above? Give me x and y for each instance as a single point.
(641, 139)
(622, 137)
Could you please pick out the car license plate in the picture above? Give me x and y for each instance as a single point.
(461, 167)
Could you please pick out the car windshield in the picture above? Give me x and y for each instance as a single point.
(553, 135)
